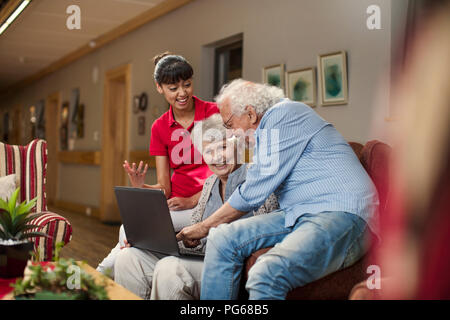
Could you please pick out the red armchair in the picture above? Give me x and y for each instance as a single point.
(374, 157)
(29, 163)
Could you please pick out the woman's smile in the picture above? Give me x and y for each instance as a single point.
(182, 101)
(220, 166)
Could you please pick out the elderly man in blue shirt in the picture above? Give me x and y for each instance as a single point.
(327, 200)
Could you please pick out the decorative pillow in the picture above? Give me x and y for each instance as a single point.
(7, 186)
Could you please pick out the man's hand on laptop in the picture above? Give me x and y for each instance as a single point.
(191, 235)
(191, 243)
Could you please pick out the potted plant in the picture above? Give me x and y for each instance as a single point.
(16, 235)
(62, 279)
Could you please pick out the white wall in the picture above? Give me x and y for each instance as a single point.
(292, 32)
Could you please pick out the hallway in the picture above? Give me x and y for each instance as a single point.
(91, 239)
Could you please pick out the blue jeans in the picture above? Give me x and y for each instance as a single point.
(317, 245)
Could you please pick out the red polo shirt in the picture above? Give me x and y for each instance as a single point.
(170, 139)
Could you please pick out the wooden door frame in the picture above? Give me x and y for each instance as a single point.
(54, 180)
(118, 73)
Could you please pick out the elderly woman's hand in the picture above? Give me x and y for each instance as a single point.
(127, 245)
(191, 235)
(178, 203)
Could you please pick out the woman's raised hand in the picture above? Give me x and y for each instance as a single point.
(137, 176)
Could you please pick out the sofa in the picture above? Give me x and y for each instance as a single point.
(29, 163)
(374, 156)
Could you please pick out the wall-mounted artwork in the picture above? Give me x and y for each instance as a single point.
(79, 120)
(76, 115)
(141, 125)
(274, 75)
(333, 78)
(136, 104)
(143, 101)
(64, 130)
(33, 121)
(40, 120)
(301, 86)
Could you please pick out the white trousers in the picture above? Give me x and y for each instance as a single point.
(170, 278)
(180, 219)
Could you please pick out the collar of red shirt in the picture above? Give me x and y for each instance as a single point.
(199, 109)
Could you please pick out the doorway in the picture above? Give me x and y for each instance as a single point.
(52, 107)
(228, 64)
(15, 129)
(116, 105)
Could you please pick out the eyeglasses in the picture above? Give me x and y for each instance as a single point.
(226, 123)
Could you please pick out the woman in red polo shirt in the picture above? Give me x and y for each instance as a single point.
(170, 141)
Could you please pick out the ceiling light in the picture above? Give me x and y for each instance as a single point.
(14, 15)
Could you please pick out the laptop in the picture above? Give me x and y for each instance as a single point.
(146, 219)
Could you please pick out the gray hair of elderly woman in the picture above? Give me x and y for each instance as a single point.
(209, 130)
(241, 93)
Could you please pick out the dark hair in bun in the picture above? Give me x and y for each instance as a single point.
(170, 69)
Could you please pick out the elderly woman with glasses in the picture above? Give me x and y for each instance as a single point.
(142, 272)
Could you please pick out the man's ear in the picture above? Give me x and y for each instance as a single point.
(251, 112)
(159, 88)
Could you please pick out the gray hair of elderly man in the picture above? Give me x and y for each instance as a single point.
(240, 93)
(209, 130)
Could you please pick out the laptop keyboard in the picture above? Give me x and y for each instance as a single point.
(188, 252)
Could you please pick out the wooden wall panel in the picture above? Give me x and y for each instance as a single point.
(80, 157)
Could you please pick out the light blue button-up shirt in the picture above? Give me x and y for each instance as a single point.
(309, 166)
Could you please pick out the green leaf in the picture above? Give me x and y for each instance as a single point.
(59, 245)
(35, 257)
(28, 227)
(23, 220)
(34, 235)
(3, 235)
(5, 221)
(25, 208)
(48, 295)
(12, 201)
(8, 236)
(32, 216)
(4, 205)
(23, 230)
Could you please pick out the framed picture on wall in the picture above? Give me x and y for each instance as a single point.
(274, 75)
(64, 129)
(141, 125)
(301, 86)
(80, 121)
(333, 78)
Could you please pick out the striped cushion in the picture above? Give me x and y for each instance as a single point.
(58, 228)
(29, 163)
(12, 160)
